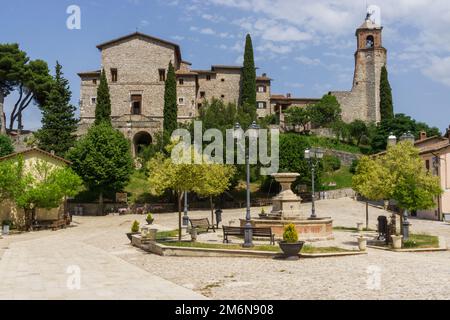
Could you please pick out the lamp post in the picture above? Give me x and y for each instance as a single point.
(185, 216)
(253, 133)
(313, 156)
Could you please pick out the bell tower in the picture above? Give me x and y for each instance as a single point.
(370, 57)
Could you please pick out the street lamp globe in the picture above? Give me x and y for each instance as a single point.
(307, 154)
(237, 134)
(253, 130)
(392, 140)
(319, 153)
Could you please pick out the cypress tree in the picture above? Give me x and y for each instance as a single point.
(249, 80)
(58, 117)
(386, 104)
(170, 103)
(103, 107)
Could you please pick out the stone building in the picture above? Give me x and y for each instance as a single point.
(136, 68)
(363, 101)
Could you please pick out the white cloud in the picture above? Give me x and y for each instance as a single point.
(439, 70)
(308, 61)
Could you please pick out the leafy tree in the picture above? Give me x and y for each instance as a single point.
(398, 175)
(341, 130)
(398, 125)
(6, 146)
(386, 103)
(218, 115)
(249, 80)
(292, 158)
(206, 179)
(12, 65)
(58, 121)
(326, 112)
(102, 159)
(298, 116)
(411, 185)
(358, 130)
(170, 104)
(103, 106)
(45, 187)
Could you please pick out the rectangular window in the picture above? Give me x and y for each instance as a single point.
(162, 74)
(114, 75)
(427, 165)
(181, 82)
(93, 100)
(181, 101)
(261, 89)
(208, 77)
(202, 94)
(261, 105)
(136, 104)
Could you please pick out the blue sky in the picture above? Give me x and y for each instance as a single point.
(306, 46)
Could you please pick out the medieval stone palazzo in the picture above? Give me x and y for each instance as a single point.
(136, 68)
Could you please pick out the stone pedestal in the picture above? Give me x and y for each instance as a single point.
(286, 205)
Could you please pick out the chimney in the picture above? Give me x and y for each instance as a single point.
(264, 74)
(288, 95)
(423, 135)
(447, 133)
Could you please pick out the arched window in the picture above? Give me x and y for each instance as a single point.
(370, 42)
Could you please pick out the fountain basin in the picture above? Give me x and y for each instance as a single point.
(320, 229)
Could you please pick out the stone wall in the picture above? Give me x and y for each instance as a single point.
(336, 194)
(346, 158)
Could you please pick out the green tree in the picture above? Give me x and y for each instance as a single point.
(325, 112)
(6, 146)
(248, 99)
(298, 116)
(103, 160)
(170, 104)
(386, 103)
(103, 106)
(34, 85)
(46, 188)
(398, 175)
(12, 65)
(398, 125)
(58, 118)
(205, 179)
(358, 130)
(341, 130)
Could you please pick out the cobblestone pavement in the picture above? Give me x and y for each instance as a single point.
(100, 244)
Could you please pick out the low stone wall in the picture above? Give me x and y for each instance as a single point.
(346, 157)
(336, 194)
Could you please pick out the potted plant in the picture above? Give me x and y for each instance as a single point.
(397, 241)
(149, 218)
(134, 229)
(362, 243)
(6, 226)
(290, 244)
(263, 213)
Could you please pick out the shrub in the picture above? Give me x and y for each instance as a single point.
(149, 216)
(290, 234)
(7, 223)
(331, 163)
(135, 227)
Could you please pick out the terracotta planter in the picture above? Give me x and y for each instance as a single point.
(397, 242)
(291, 249)
(362, 244)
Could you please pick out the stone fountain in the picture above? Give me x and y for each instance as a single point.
(286, 209)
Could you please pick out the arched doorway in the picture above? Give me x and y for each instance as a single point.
(141, 140)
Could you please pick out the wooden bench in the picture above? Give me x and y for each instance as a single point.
(240, 231)
(202, 224)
